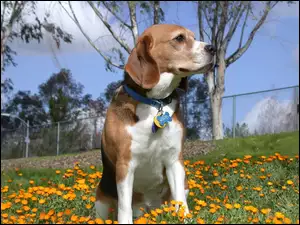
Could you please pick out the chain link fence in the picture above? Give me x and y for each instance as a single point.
(256, 113)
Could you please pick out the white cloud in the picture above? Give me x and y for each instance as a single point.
(88, 20)
(270, 115)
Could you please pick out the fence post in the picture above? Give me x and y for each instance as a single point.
(57, 139)
(27, 139)
(233, 115)
(296, 103)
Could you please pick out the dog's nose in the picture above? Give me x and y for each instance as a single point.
(211, 49)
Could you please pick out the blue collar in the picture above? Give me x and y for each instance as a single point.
(157, 103)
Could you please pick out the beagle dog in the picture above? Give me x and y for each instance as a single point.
(143, 134)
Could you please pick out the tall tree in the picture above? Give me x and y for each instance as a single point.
(224, 19)
(14, 25)
(6, 90)
(198, 116)
(240, 130)
(63, 95)
(28, 107)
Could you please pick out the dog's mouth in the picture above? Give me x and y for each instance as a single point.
(203, 69)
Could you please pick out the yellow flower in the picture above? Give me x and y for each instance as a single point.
(26, 208)
(283, 187)
(289, 182)
(34, 210)
(31, 182)
(237, 206)
(51, 212)
(159, 211)
(200, 221)
(24, 202)
(279, 215)
(42, 201)
(212, 210)
(92, 199)
(228, 206)
(88, 206)
(287, 221)
(141, 220)
(197, 208)
(270, 183)
(276, 221)
(265, 211)
(74, 218)
(239, 188)
(98, 221)
(202, 203)
(67, 211)
(108, 221)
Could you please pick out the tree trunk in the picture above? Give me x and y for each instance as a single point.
(3, 40)
(216, 110)
(216, 92)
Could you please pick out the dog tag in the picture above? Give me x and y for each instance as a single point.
(160, 120)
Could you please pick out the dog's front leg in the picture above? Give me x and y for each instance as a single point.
(176, 177)
(125, 176)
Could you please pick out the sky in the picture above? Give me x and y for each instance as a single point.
(272, 61)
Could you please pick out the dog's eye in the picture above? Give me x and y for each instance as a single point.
(179, 38)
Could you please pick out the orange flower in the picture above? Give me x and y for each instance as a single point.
(88, 206)
(42, 201)
(228, 206)
(200, 221)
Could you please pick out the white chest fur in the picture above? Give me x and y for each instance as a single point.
(151, 151)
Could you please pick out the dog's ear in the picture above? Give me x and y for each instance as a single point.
(141, 66)
(183, 84)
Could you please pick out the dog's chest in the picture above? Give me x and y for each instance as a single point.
(151, 151)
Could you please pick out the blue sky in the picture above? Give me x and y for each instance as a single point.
(270, 62)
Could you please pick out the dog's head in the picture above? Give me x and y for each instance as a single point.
(168, 49)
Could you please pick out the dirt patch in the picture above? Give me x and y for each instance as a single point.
(191, 149)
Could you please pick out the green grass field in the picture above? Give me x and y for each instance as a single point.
(244, 180)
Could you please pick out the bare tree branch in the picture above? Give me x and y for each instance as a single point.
(200, 22)
(240, 51)
(74, 18)
(206, 17)
(215, 23)
(134, 26)
(244, 24)
(107, 25)
(235, 22)
(156, 7)
(115, 15)
(223, 21)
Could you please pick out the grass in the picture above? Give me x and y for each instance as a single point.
(245, 180)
